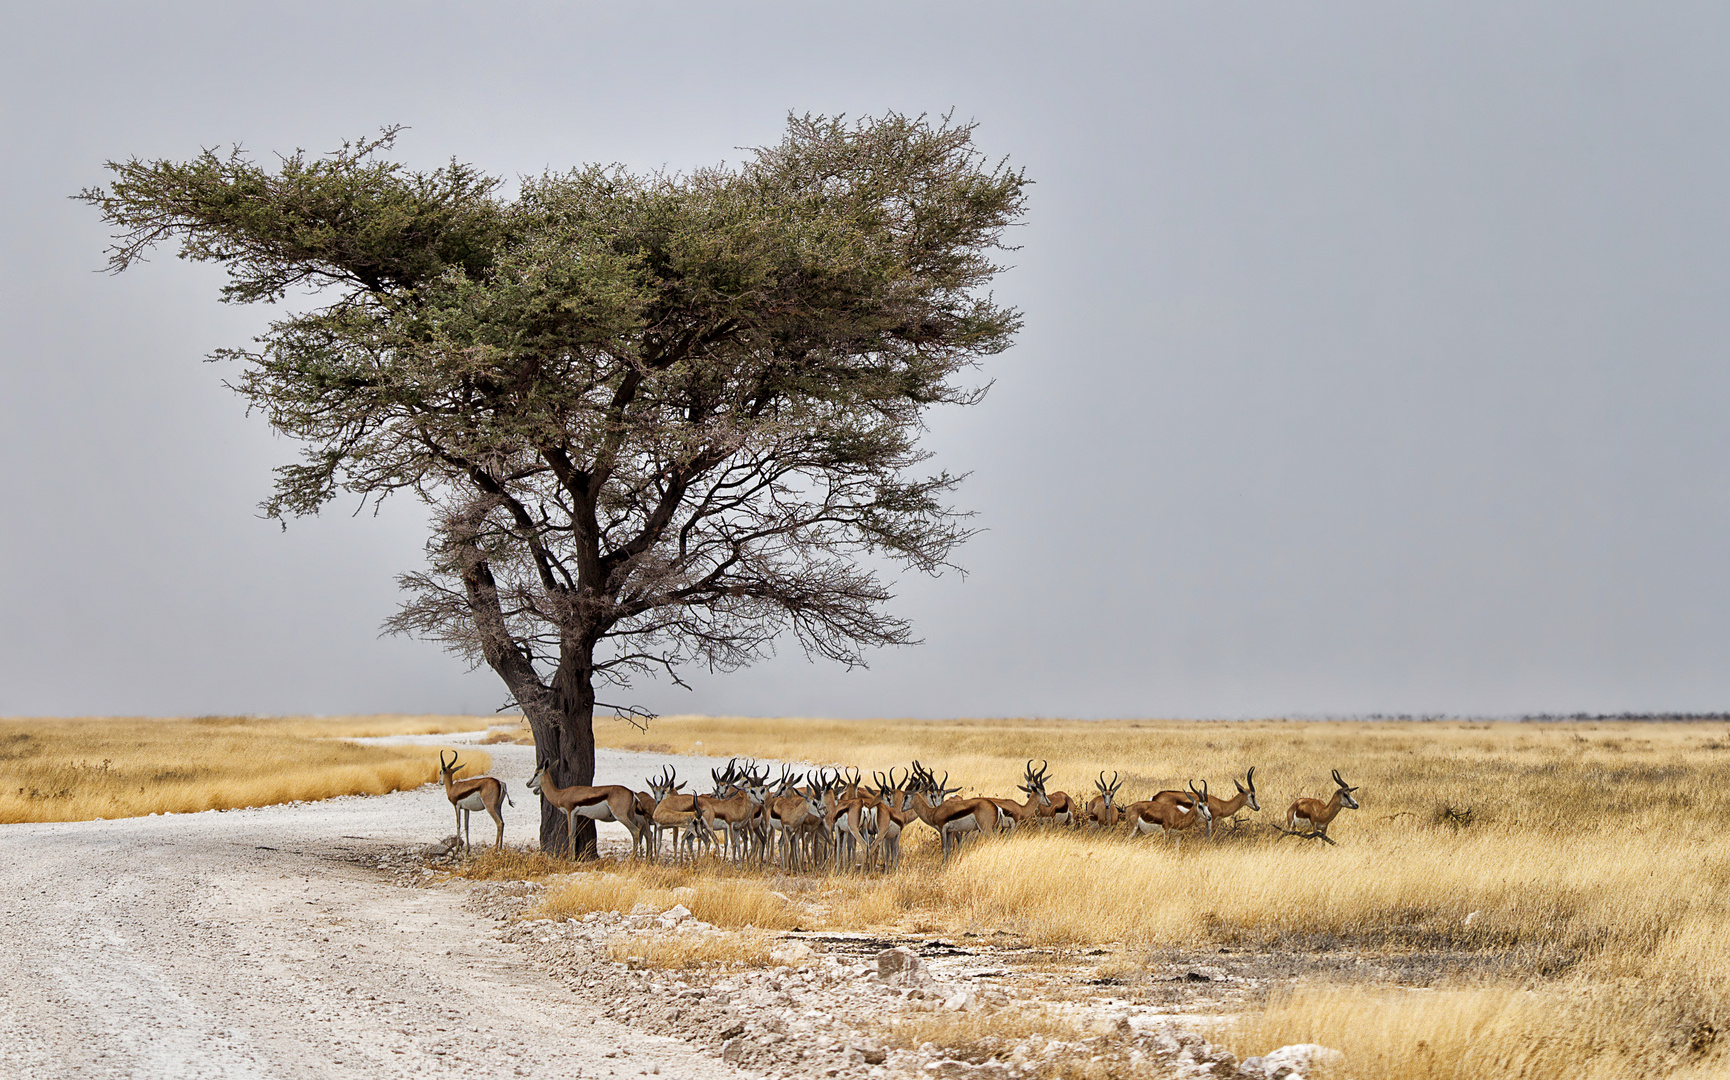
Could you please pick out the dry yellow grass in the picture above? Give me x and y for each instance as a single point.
(687, 952)
(511, 864)
(110, 767)
(1590, 1032)
(980, 1030)
(717, 893)
(1594, 860)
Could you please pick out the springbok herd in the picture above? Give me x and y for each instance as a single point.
(830, 816)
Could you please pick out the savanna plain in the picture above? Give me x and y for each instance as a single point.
(1512, 899)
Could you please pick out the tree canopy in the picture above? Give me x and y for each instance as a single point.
(661, 418)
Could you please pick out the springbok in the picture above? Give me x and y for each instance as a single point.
(1166, 818)
(1102, 809)
(1225, 809)
(609, 802)
(475, 793)
(952, 818)
(1056, 807)
(852, 823)
(678, 811)
(895, 813)
(1017, 814)
(1317, 814)
(733, 806)
(790, 813)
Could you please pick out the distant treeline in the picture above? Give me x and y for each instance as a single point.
(1559, 718)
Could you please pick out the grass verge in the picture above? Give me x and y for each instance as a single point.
(720, 894)
(690, 952)
(1586, 860)
(1590, 1032)
(112, 767)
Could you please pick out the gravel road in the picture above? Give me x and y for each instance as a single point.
(266, 943)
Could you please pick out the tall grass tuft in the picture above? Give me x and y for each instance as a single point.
(1593, 1033)
(717, 893)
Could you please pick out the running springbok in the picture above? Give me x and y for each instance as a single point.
(1317, 814)
(1167, 818)
(475, 793)
(1221, 809)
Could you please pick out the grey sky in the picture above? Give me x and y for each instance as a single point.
(1374, 356)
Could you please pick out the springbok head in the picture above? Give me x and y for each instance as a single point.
(726, 780)
(1201, 807)
(535, 780)
(1346, 799)
(936, 791)
(1108, 790)
(1250, 791)
(894, 792)
(1034, 781)
(450, 769)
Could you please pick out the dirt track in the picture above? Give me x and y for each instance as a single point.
(264, 943)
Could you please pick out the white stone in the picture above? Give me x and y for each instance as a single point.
(902, 967)
(792, 953)
(1300, 1057)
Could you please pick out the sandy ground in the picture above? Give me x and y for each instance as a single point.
(265, 943)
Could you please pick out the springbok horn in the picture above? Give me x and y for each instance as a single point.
(1252, 777)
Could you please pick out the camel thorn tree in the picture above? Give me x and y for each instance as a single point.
(659, 419)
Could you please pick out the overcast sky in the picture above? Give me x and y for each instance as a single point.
(1374, 357)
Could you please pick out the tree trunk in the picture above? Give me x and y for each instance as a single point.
(565, 739)
(562, 717)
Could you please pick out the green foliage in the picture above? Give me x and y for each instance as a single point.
(663, 414)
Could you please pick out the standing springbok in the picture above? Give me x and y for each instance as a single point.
(952, 818)
(851, 819)
(1169, 818)
(678, 811)
(1056, 807)
(895, 813)
(733, 806)
(1225, 809)
(790, 811)
(475, 793)
(609, 802)
(1317, 814)
(1017, 814)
